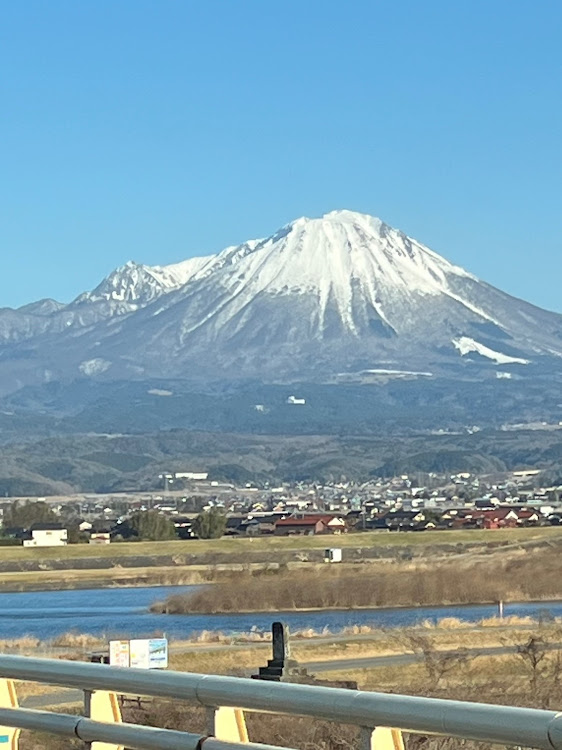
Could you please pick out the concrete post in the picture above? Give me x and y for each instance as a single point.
(9, 737)
(101, 705)
(381, 738)
(227, 724)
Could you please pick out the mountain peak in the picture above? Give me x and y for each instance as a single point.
(130, 283)
(339, 216)
(138, 284)
(46, 306)
(350, 217)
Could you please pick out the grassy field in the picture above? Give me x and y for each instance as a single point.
(195, 561)
(233, 546)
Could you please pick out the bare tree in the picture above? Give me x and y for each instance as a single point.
(437, 663)
(533, 653)
(543, 662)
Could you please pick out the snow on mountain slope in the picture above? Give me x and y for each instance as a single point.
(41, 307)
(466, 345)
(338, 258)
(125, 290)
(341, 293)
(356, 275)
(138, 284)
(344, 293)
(358, 271)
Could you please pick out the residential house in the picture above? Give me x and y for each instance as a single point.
(233, 525)
(309, 525)
(46, 535)
(258, 524)
(184, 527)
(99, 537)
(404, 519)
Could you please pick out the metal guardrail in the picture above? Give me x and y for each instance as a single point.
(505, 725)
(131, 735)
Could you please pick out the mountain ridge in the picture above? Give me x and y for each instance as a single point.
(340, 296)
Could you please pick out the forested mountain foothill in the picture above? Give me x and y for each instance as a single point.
(105, 463)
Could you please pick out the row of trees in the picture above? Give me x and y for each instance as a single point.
(152, 526)
(25, 514)
(143, 524)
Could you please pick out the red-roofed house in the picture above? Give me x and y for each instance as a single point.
(499, 518)
(309, 525)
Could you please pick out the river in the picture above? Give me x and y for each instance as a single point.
(123, 612)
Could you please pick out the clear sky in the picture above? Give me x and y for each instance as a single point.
(155, 130)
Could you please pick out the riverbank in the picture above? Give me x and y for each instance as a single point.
(516, 575)
(306, 644)
(132, 564)
(118, 577)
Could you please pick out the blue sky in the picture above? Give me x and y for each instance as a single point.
(155, 130)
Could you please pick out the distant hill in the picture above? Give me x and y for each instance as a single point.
(106, 463)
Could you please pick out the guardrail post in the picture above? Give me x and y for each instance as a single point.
(102, 706)
(381, 738)
(227, 724)
(9, 737)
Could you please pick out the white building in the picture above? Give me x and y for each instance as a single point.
(47, 535)
(100, 537)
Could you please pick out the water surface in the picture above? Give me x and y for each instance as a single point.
(124, 612)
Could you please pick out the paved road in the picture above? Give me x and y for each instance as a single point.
(68, 695)
(393, 660)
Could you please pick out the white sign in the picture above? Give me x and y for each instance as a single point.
(138, 654)
(119, 653)
(147, 653)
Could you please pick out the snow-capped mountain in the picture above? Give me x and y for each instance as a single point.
(341, 296)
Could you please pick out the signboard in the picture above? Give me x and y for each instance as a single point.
(157, 653)
(148, 653)
(138, 655)
(119, 653)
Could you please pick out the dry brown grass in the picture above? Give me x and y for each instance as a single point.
(383, 643)
(80, 641)
(40, 741)
(230, 661)
(515, 578)
(27, 643)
